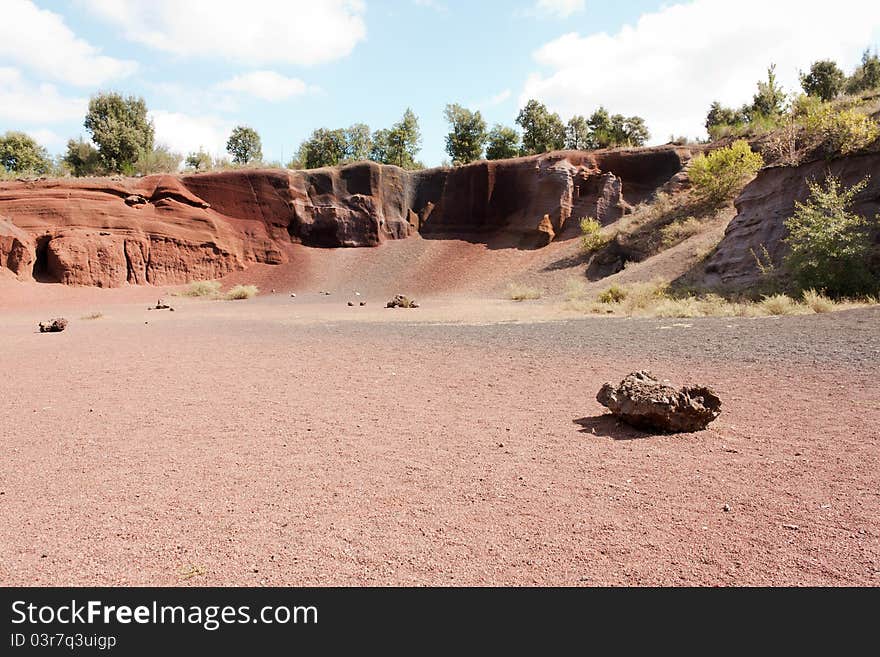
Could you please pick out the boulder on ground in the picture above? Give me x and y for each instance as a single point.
(401, 301)
(53, 325)
(645, 402)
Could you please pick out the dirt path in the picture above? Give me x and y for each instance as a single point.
(256, 443)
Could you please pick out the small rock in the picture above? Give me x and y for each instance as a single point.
(791, 527)
(401, 301)
(726, 508)
(292, 295)
(363, 303)
(53, 325)
(351, 303)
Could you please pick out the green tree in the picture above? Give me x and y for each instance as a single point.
(867, 76)
(830, 246)
(502, 143)
(400, 144)
(158, 160)
(325, 148)
(825, 80)
(244, 145)
(542, 131)
(199, 160)
(120, 128)
(720, 175)
(601, 129)
(610, 131)
(357, 142)
(467, 136)
(635, 132)
(380, 148)
(82, 158)
(577, 134)
(770, 99)
(20, 153)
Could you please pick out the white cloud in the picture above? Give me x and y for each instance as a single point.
(265, 85)
(48, 138)
(301, 32)
(673, 63)
(183, 133)
(40, 40)
(559, 8)
(494, 101)
(25, 102)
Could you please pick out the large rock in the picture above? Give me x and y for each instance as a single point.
(166, 229)
(645, 402)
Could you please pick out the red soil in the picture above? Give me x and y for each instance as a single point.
(294, 442)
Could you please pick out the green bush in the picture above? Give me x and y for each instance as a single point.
(720, 175)
(831, 245)
(841, 131)
(592, 238)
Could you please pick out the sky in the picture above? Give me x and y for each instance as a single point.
(287, 67)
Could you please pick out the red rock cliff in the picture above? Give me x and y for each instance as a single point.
(171, 229)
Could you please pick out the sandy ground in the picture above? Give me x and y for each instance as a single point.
(299, 441)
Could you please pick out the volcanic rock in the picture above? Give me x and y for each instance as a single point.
(645, 402)
(401, 301)
(53, 325)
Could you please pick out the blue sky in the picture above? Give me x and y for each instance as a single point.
(288, 67)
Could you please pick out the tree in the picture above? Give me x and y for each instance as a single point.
(400, 144)
(607, 131)
(830, 246)
(577, 134)
(601, 129)
(770, 99)
(158, 160)
(120, 128)
(82, 158)
(825, 80)
(502, 143)
(468, 135)
(199, 160)
(542, 131)
(635, 132)
(325, 148)
(725, 116)
(244, 145)
(20, 153)
(866, 76)
(357, 142)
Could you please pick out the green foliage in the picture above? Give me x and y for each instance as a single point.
(467, 136)
(768, 104)
(244, 145)
(83, 159)
(825, 80)
(770, 99)
(120, 128)
(20, 153)
(614, 294)
(400, 144)
(157, 160)
(199, 161)
(357, 142)
(841, 131)
(720, 175)
(592, 238)
(867, 76)
(502, 143)
(830, 246)
(542, 131)
(577, 134)
(610, 131)
(325, 148)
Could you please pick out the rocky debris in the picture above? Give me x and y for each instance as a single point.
(161, 305)
(363, 303)
(292, 295)
(53, 325)
(645, 402)
(401, 301)
(135, 199)
(351, 303)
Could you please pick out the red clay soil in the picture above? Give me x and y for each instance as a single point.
(296, 442)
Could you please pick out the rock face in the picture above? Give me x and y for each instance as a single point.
(768, 201)
(645, 402)
(166, 229)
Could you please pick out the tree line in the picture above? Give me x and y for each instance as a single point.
(122, 140)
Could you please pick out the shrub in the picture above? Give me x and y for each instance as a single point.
(518, 292)
(841, 131)
(825, 80)
(817, 301)
(242, 292)
(202, 289)
(592, 238)
(830, 245)
(679, 231)
(778, 304)
(613, 294)
(720, 175)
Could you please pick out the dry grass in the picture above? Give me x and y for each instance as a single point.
(653, 299)
(242, 292)
(575, 289)
(518, 292)
(93, 316)
(680, 230)
(209, 289)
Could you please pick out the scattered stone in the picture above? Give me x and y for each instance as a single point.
(645, 402)
(53, 325)
(791, 527)
(351, 303)
(726, 508)
(161, 305)
(363, 303)
(135, 199)
(292, 295)
(401, 301)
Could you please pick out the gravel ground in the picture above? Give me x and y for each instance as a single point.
(265, 442)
